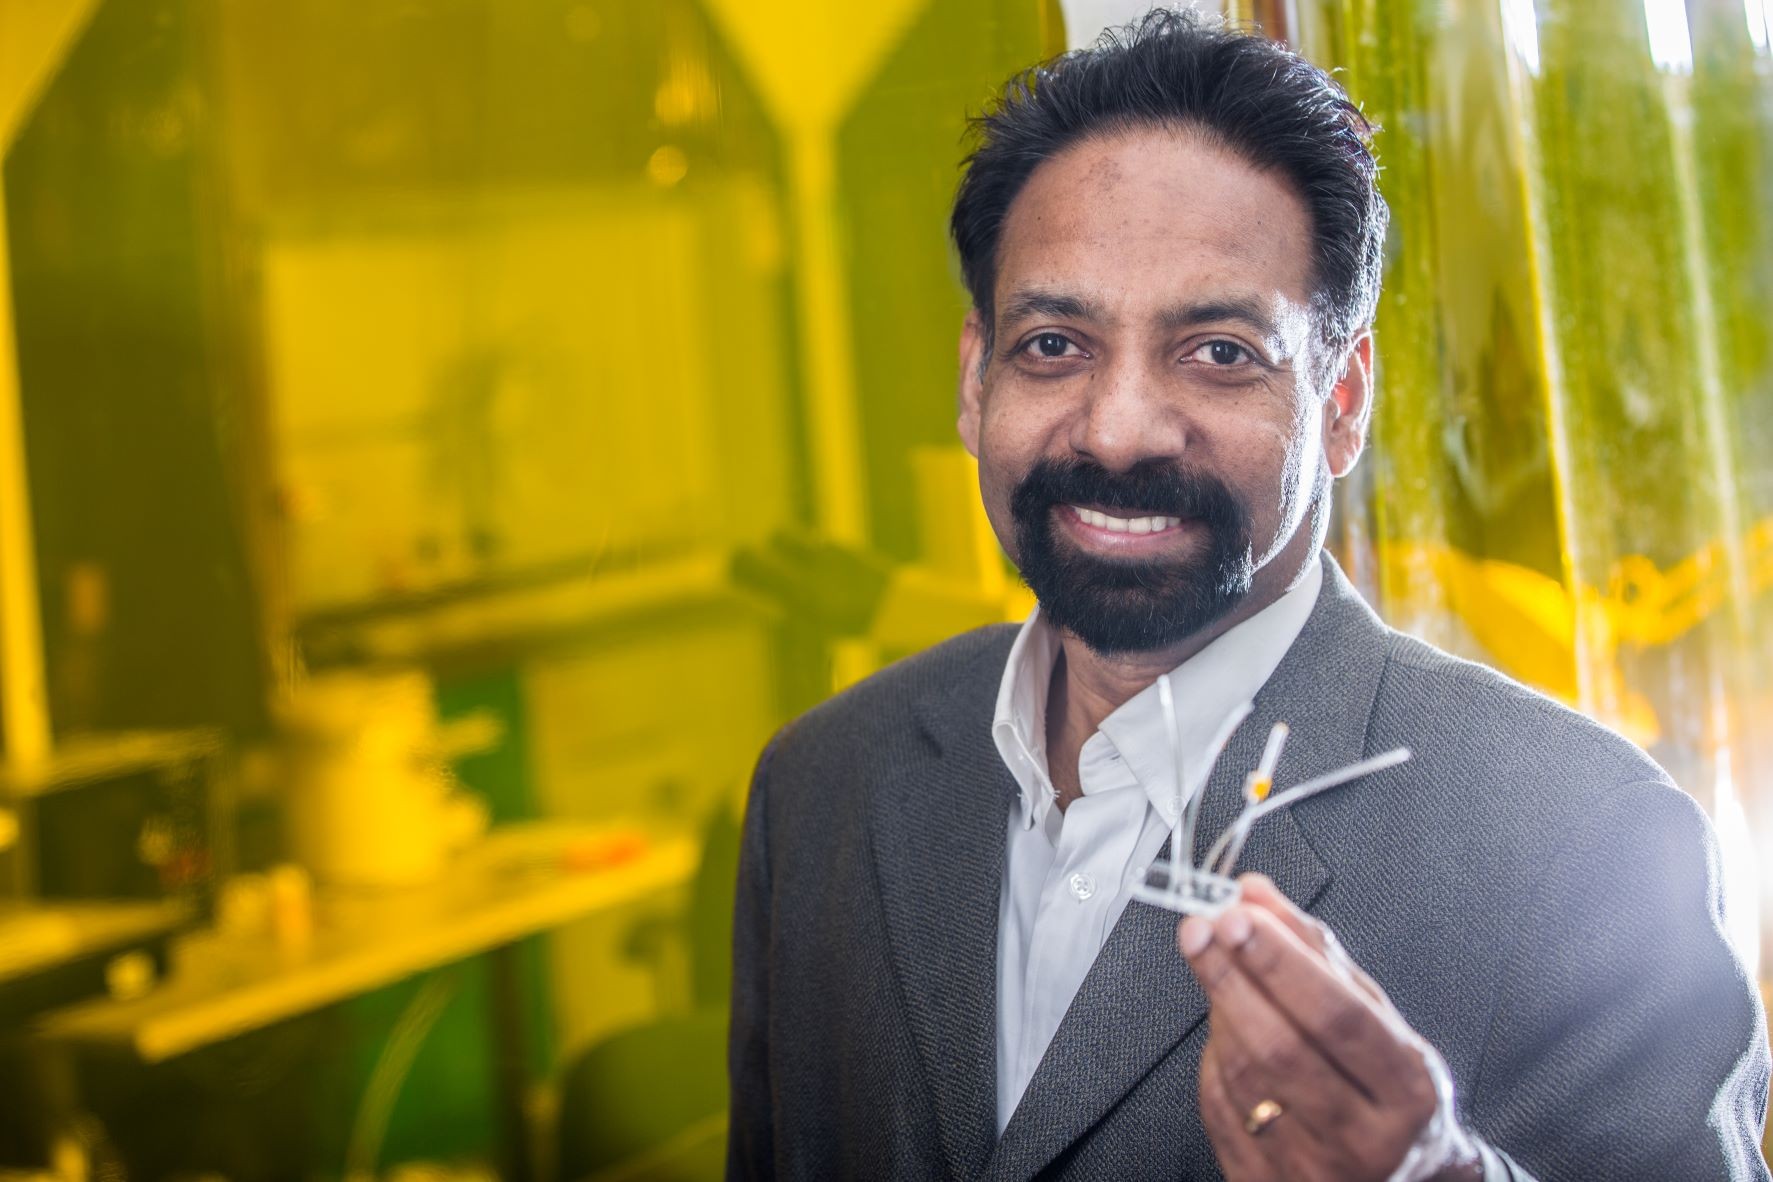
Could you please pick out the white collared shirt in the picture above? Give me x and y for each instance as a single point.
(1066, 873)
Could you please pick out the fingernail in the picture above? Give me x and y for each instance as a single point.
(1196, 935)
(1236, 928)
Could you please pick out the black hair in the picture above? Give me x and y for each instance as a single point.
(1243, 92)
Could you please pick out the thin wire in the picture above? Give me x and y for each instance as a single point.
(390, 1072)
(1214, 750)
(1231, 842)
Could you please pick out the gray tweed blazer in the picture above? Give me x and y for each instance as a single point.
(1537, 898)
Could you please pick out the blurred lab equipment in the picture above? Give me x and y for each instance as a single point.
(133, 815)
(835, 587)
(843, 591)
(315, 324)
(520, 879)
(652, 1098)
(53, 954)
(368, 797)
(113, 848)
(114, 845)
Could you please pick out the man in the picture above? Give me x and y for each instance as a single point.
(1503, 959)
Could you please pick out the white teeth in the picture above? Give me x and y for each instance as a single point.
(1124, 525)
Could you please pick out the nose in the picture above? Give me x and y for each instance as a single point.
(1127, 417)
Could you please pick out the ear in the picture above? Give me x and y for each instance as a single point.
(1349, 407)
(972, 384)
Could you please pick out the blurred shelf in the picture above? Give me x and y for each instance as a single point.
(37, 937)
(86, 759)
(517, 611)
(54, 953)
(518, 881)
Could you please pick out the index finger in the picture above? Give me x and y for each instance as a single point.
(1337, 1016)
(1259, 890)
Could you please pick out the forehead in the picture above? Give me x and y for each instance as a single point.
(1142, 219)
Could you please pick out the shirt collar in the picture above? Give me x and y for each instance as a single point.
(1018, 726)
(1207, 687)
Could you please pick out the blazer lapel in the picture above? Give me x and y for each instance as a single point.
(1140, 1000)
(938, 829)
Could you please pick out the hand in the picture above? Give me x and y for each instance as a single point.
(1296, 1023)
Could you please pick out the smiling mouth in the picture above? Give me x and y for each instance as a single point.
(1124, 522)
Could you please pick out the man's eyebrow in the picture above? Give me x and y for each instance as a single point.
(1035, 302)
(1249, 311)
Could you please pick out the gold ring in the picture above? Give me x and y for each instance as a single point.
(1261, 1116)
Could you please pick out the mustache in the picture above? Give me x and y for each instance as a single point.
(1154, 486)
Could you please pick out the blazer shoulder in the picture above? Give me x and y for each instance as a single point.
(1492, 719)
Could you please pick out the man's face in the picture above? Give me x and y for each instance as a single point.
(1149, 437)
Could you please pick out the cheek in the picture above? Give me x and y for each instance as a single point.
(1001, 464)
(996, 498)
(1010, 440)
(1276, 463)
(1297, 438)
(1303, 450)
(1015, 432)
(1017, 429)
(1006, 422)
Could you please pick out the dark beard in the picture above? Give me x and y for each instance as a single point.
(1117, 606)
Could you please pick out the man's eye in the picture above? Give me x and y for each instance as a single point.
(1222, 353)
(1048, 344)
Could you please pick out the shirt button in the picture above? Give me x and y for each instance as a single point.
(1082, 886)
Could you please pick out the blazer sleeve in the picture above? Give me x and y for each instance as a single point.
(1628, 1040)
(750, 1115)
